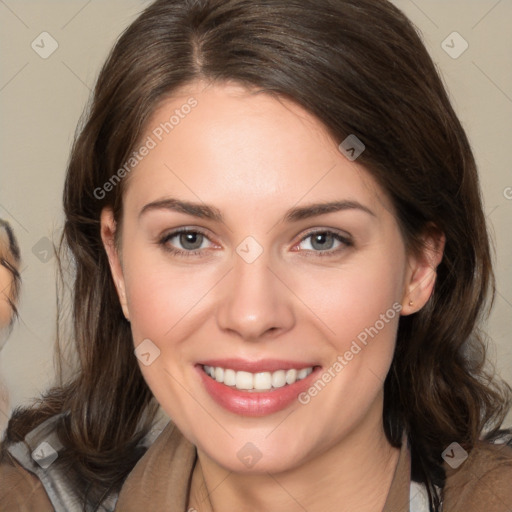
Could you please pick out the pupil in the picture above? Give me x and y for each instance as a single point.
(190, 240)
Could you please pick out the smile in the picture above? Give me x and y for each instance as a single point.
(260, 381)
(249, 388)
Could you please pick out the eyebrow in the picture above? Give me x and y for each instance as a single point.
(295, 214)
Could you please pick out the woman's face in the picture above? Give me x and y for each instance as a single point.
(6, 283)
(266, 282)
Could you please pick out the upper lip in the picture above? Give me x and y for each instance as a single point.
(263, 365)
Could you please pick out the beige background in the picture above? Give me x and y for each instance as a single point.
(41, 101)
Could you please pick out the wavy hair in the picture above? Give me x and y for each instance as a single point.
(361, 68)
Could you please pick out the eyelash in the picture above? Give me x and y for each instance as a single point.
(347, 242)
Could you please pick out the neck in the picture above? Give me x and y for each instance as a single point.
(355, 474)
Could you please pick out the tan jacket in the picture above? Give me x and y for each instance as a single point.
(160, 481)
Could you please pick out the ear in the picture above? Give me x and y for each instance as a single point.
(422, 271)
(108, 232)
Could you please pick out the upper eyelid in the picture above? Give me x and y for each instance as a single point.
(179, 231)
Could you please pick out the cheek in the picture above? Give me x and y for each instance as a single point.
(352, 300)
(164, 305)
(161, 295)
(359, 310)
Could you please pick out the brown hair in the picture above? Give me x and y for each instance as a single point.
(360, 67)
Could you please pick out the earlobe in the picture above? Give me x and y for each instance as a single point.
(108, 233)
(422, 272)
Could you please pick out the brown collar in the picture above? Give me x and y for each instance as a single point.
(174, 456)
(399, 493)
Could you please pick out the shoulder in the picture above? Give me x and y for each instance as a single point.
(35, 474)
(483, 481)
(21, 491)
(161, 478)
(25, 469)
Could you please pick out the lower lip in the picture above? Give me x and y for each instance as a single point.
(256, 403)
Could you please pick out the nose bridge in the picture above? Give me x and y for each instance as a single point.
(254, 301)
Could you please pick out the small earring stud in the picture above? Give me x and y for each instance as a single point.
(411, 303)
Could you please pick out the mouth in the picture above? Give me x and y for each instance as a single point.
(256, 382)
(255, 388)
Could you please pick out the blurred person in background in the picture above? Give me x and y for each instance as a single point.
(9, 294)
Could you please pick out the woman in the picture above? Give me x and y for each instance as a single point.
(10, 281)
(274, 218)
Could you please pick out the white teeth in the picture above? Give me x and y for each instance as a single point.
(279, 379)
(262, 381)
(291, 376)
(244, 380)
(219, 374)
(229, 377)
(301, 373)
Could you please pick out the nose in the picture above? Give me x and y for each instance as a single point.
(256, 303)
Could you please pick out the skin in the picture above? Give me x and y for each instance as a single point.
(6, 282)
(290, 303)
(6, 314)
(5, 293)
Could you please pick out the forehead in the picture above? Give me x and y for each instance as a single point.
(216, 141)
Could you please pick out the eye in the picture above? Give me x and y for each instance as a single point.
(324, 242)
(191, 242)
(185, 242)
